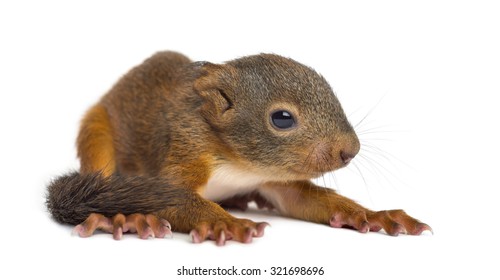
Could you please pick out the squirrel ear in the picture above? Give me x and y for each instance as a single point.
(208, 75)
(218, 104)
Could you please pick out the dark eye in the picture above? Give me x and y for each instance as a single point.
(282, 119)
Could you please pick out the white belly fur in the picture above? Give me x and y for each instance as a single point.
(228, 181)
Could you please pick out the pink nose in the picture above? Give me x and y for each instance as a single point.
(346, 157)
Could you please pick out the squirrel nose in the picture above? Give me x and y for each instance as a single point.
(346, 157)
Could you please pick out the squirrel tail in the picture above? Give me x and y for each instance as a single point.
(71, 198)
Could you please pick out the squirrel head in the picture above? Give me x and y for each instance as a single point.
(276, 117)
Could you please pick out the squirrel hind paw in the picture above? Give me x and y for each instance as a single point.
(144, 225)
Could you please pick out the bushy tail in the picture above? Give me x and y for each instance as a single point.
(71, 198)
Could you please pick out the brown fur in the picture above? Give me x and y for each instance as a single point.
(95, 143)
(155, 140)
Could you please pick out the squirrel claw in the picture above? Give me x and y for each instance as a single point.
(195, 236)
(221, 240)
(78, 230)
(260, 229)
(420, 228)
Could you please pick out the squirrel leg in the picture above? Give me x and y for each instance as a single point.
(306, 201)
(95, 143)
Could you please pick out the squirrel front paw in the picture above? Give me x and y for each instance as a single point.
(144, 225)
(220, 231)
(393, 222)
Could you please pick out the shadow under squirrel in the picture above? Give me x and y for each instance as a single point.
(176, 140)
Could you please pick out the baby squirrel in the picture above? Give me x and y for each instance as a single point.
(173, 141)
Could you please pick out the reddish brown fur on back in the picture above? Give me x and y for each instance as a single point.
(95, 143)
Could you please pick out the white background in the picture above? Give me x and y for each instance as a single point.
(426, 73)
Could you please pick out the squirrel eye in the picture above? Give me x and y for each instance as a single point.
(282, 119)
